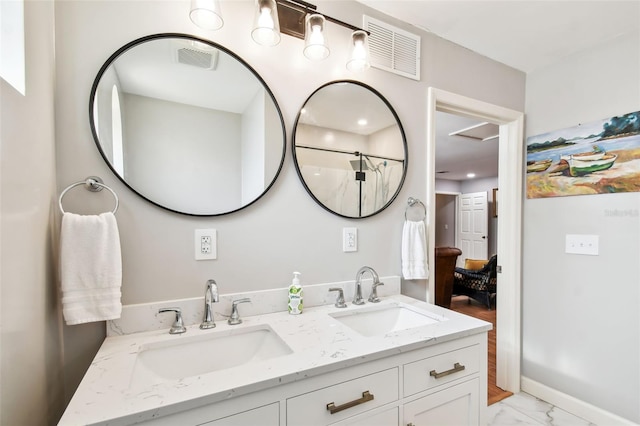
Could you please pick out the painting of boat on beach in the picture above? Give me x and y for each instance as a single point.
(601, 157)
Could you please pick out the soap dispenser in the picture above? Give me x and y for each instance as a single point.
(295, 295)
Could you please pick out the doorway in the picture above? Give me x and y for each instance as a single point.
(508, 304)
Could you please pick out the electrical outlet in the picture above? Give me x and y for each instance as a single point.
(582, 244)
(349, 239)
(205, 244)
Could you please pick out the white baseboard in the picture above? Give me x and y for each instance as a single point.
(572, 405)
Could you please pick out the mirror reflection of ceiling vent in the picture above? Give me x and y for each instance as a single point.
(198, 58)
(393, 49)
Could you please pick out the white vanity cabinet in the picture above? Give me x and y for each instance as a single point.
(443, 384)
(429, 368)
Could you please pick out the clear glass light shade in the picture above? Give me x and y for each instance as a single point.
(315, 47)
(206, 14)
(266, 27)
(359, 51)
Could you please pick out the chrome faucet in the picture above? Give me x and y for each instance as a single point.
(178, 325)
(210, 297)
(234, 318)
(340, 299)
(373, 297)
(359, 300)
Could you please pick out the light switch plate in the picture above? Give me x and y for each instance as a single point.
(349, 239)
(582, 244)
(205, 244)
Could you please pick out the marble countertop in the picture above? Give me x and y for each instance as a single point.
(319, 344)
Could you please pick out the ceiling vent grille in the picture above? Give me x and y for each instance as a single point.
(393, 49)
(198, 58)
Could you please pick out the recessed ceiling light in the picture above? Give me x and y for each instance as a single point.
(362, 122)
(471, 175)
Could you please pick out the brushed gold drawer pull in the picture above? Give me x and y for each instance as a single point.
(366, 396)
(456, 367)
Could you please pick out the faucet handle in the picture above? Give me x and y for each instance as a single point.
(234, 319)
(373, 297)
(340, 299)
(178, 326)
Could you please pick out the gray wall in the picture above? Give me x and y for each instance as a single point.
(285, 230)
(581, 323)
(30, 348)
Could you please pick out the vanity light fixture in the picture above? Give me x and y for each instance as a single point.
(359, 51)
(315, 47)
(266, 26)
(296, 18)
(206, 14)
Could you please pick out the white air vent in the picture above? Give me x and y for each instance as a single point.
(206, 59)
(393, 49)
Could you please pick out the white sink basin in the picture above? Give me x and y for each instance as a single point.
(205, 352)
(382, 320)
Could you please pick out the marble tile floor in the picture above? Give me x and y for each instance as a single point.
(524, 409)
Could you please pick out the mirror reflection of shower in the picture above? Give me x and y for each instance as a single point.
(381, 190)
(361, 181)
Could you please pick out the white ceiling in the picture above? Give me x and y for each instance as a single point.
(526, 35)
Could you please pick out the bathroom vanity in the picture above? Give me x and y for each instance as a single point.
(397, 362)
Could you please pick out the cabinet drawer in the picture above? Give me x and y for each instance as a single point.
(418, 375)
(348, 398)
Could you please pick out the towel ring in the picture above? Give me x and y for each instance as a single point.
(93, 184)
(412, 202)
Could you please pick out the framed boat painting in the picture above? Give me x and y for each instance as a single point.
(600, 157)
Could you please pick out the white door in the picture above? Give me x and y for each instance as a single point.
(473, 220)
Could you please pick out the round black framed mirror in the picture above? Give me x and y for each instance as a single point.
(350, 149)
(187, 125)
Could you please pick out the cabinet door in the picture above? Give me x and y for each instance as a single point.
(269, 415)
(454, 406)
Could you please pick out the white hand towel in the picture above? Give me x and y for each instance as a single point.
(414, 251)
(91, 268)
